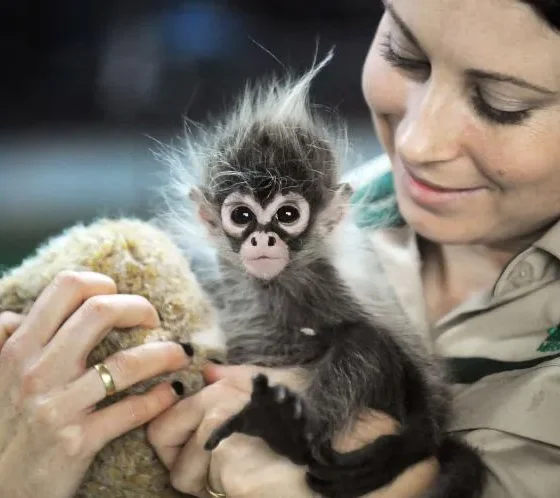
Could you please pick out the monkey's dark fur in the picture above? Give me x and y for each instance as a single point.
(275, 143)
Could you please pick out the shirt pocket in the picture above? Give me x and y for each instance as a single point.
(525, 403)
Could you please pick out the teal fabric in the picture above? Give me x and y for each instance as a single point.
(375, 203)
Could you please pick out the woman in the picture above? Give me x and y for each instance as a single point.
(465, 97)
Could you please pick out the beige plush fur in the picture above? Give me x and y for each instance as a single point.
(142, 260)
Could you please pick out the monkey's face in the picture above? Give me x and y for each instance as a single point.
(264, 233)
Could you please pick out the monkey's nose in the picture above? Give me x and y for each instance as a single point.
(271, 241)
(254, 241)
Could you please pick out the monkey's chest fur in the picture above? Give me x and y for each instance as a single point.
(287, 321)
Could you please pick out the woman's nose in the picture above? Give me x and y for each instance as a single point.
(431, 129)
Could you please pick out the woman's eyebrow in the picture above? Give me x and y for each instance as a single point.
(491, 75)
(402, 25)
(473, 73)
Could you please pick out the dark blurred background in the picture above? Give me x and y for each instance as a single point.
(88, 87)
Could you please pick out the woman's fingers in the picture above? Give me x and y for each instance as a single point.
(169, 432)
(58, 301)
(190, 470)
(88, 326)
(188, 476)
(9, 322)
(241, 376)
(109, 423)
(127, 368)
(179, 434)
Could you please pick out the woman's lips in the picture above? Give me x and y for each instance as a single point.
(428, 193)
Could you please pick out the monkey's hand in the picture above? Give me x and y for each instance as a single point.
(275, 414)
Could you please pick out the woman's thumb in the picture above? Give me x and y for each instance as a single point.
(241, 376)
(237, 375)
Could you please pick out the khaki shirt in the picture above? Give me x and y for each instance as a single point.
(504, 351)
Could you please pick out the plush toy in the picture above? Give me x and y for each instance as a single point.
(142, 260)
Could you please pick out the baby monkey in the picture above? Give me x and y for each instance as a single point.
(274, 209)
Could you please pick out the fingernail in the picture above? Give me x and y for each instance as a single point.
(178, 387)
(217, 362)
(187, 347)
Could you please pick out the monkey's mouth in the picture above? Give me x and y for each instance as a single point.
(265, 267)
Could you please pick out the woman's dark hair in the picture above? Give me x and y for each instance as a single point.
(549, 10)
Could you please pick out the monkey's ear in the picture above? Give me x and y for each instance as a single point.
(336, 209)
(205, 213)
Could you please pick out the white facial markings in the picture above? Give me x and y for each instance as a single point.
(231, 203)
(291, 199)
(264, 216)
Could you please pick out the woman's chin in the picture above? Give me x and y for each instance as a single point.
(440, 229)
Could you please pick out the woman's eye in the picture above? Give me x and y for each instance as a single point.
(242, 215)
(287, 214)
(494, 115)
(418, 67)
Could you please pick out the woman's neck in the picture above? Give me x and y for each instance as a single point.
(451, 274)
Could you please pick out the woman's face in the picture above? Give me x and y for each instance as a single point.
(465, 97)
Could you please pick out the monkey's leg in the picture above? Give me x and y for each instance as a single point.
(462, 471)
(274, 414)
(367, 369)
(353, 474)
(462, 474)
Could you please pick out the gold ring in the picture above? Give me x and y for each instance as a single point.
(106, 378)
(213, 493)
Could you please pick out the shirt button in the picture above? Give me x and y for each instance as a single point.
(522, 274)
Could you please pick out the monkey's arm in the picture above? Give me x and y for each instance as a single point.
(368, 369)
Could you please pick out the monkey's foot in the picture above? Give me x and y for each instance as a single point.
(276, 415)
(353, 474)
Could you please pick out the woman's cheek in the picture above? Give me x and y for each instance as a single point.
(517, 158)
(385, 92)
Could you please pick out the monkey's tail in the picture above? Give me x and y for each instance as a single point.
(462, 471)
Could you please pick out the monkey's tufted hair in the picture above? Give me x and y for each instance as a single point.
(272, 141)
(241, 151)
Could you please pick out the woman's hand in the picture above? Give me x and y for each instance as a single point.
(9, 322)
(245, 467)
(49, 428)
(242, 466)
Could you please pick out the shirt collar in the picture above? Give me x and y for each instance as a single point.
(550, 241)
(536, 266)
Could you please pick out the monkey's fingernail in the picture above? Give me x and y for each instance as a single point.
(178, 387)
(187, 347)
(217, 362)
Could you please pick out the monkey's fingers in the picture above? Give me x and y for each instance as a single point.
(260, 385)
(233, 424)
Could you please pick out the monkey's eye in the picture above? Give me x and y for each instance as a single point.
(287, 214)
(242, 215)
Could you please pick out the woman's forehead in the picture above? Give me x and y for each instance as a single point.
(504, 36)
